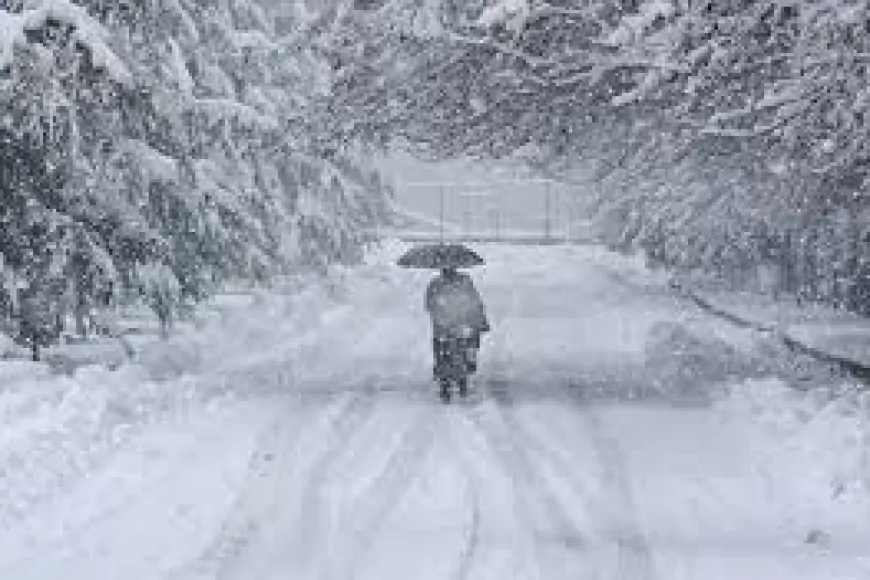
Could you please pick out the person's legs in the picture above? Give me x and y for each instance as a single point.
(437, 356)
(463, 386)
(445, 390)
(439, 368)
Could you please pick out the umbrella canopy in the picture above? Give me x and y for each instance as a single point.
(438, 256)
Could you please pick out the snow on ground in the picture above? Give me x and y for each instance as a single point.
(614, 432)
(55, 430)
(828, 329)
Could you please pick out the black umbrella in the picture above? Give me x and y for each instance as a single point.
(437, 256)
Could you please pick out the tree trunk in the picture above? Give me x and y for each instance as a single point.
(163, 315)
(164, 326)
(34, 351)
(81, 312)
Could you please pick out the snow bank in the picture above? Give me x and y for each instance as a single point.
(754, 320)
(12, 371)
(264, 332)
(826, 334)
(849, 341)
(812, 450)
(55, 430)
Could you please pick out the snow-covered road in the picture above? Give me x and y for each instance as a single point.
(601, 441)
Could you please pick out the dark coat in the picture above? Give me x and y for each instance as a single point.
(453, 300)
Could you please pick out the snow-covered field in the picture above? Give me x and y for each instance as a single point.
(614, 432)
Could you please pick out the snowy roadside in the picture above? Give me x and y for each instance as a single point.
(76, 449)
(826, 334)
(756, 480)
(58, 429)
(799, 473)
(751, 457)
(836, 332)
(831, 336)
(135, 332)
(767, 483)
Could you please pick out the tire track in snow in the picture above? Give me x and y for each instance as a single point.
(468, 557)
(341, 429)
(504, 447)
(233, 536)
(543, 517)
(566, 532)
(308, 551)
(503, 460)
(635, 559)
(546, 456)
(271, 470)
(542, 523)
(528, 452)
(390, 486)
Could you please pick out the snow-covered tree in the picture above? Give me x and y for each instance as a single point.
(719, 135)
(174, 137)
(59, 83)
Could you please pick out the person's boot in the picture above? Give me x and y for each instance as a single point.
(445, 395)
(445, 391)
(463, 387)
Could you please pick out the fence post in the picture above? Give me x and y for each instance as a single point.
(441, 213)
